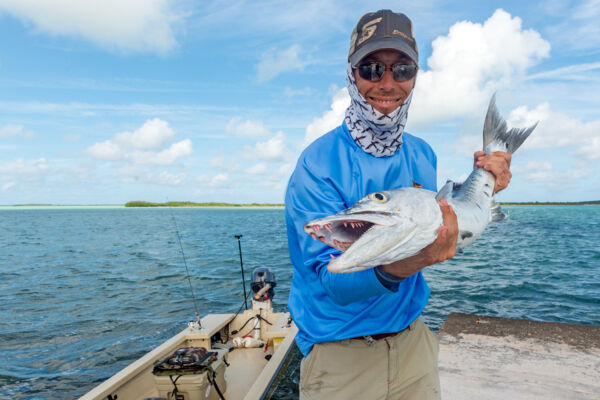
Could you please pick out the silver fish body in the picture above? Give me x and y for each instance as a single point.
(391, 225)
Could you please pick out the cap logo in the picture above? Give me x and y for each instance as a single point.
(404, 35)
(368, 30)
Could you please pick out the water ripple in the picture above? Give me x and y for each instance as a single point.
(85, 292)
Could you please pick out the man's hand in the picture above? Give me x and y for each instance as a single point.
(498, 163)
(443, 248)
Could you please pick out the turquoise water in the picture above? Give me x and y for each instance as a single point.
(83, 292)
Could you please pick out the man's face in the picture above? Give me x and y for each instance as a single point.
(386, 94)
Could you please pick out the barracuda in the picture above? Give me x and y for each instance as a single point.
(391, 225)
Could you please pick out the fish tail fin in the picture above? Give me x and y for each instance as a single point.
(496, 213)
(495, 131)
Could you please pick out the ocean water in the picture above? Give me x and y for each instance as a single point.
(85, 291)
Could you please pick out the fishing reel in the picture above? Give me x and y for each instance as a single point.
(263, 283)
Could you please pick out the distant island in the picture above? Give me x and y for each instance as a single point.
(552, 203)
(138, 203)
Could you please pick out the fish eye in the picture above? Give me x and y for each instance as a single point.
(378, 197)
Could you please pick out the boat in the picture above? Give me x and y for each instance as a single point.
(219, 356)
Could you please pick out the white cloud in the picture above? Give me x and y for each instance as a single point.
(225, 165)
(24, 169)
(544, 172)
(167, 178)
(237, 127)
(283, 172)
(219, 180)
(106, 150)
(556, 129)
(142, 146)
(472, 61)
(7, 131)
(591, 151)
(270, 150)
(276, 62)
(330, 118)
(165, 157)
(153, 134)
(258, 169)
(133, 25)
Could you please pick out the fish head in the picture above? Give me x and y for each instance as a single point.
(341, 230)
(367, 231)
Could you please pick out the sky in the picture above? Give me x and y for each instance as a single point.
(159, 100)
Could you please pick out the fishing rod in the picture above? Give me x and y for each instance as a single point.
(238, 237)
(186, 268)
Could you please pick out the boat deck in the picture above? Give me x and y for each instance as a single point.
(239, 376)
(248, 375)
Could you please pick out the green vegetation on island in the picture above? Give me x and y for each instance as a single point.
(192, 204)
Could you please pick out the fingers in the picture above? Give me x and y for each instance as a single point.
(498, 163)
(444, 246)
(478, 157)
(448, 233)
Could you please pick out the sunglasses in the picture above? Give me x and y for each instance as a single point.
(373, 71)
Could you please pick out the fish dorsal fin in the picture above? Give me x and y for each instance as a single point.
(496, 213)
(446, 190)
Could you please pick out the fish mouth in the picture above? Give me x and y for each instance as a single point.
(340, 231)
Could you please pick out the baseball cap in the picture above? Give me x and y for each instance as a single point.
(383, 29)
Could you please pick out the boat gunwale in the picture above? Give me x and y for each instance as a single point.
(211, 323)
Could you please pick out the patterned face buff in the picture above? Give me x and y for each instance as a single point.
(376, 133)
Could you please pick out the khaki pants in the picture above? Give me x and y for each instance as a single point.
(398, 367)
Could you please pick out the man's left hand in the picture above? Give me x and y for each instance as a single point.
(498, 163)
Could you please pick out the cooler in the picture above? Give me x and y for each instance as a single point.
(195, 386)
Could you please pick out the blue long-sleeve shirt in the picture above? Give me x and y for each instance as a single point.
(332, 174)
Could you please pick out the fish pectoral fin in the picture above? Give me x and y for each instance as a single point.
(496, 213)
(445, 191)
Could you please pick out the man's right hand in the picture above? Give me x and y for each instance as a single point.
(442, 249)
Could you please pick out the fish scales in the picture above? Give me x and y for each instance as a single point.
(392, 225)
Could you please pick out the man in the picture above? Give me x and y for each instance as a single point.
(360, 332)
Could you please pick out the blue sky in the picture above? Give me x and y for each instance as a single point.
(106, 102)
